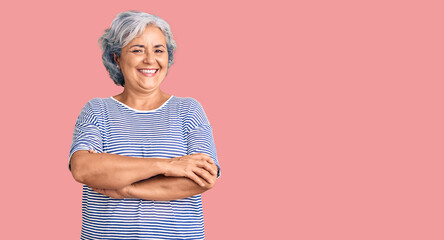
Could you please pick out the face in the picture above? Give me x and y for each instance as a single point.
(144, 61)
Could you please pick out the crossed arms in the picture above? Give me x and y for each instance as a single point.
(119, 176)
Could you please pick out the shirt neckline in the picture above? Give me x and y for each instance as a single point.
(142, 111)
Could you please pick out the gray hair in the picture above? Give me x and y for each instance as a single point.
(124, 28)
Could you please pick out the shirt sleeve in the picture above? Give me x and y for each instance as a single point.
(199, 137)
(86, 132)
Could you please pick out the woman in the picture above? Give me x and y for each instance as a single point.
(144, 156)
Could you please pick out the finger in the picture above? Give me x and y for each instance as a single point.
(209, 167)
(98, 190)
(203, 174)
(205, 157)
(210, 160)
(196, 179)
(201, 155)
(109, 193)
(105, 192)
(213, 169)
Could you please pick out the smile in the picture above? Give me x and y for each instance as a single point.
(148, 72)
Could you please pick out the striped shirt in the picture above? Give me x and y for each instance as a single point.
(179, 127)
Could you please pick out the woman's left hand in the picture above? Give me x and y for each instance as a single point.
(114, 193)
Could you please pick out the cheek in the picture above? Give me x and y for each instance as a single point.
(164, 61)
(132, 62)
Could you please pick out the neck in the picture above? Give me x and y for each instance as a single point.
(142, 101)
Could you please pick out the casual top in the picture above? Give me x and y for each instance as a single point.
(179, 127)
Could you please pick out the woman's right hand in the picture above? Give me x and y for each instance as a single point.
(198, 167)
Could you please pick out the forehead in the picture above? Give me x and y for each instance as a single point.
(151, 35)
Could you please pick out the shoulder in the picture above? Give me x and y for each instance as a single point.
(188, 104)
(185, 100)
(93, 108)
(192, 112)
(98, 104)
(95, 102)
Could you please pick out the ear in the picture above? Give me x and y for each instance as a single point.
(116, 59)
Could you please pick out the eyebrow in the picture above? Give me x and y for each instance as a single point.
(159, 45)
(142, 46)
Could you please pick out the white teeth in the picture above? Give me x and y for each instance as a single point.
(147, 71)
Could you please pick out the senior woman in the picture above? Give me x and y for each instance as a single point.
(144, 156)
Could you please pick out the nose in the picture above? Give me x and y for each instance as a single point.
(149, 57)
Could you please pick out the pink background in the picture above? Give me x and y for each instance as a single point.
(327, 115)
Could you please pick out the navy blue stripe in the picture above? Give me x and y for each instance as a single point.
(179, 127)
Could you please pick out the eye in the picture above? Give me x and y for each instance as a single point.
(159, 51)
(137, 51)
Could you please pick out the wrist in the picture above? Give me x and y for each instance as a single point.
(162, 165)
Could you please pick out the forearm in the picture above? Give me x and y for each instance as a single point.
(161, 188)
(112, 171)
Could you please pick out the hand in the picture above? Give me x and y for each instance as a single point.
(92, 151)
(198, 167)
(115, 193)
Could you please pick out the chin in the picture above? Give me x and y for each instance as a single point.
(149, 87)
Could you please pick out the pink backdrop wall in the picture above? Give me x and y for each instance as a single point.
(327, 115)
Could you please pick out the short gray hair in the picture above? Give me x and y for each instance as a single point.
(124, 28)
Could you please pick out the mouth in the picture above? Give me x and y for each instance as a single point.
(148, 72)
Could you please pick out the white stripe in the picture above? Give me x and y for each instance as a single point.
(177, 128)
